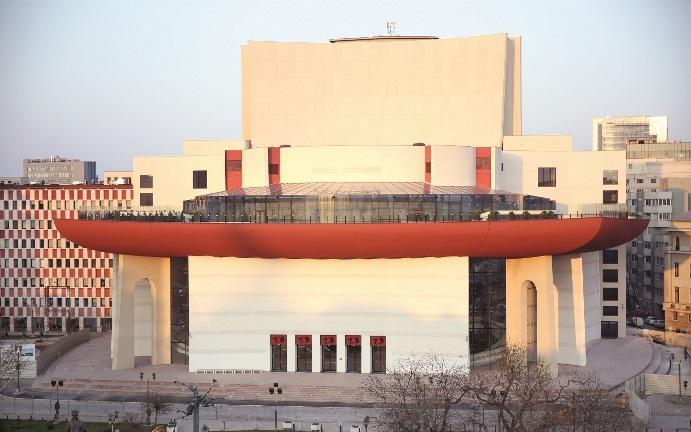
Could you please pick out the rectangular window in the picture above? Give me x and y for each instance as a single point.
(547, 177)
(610, 197)
(676, 294)
(610, 177)
(146, 199)
(610, 310)
(610, 294)
(199, 179)
(146, 181)
(610, 275)
(378, 344)
(353, 354)
(328, 346)
(676, 269)
(303, 351)
(279, 353)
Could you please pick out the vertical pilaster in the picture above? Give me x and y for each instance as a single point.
(316, 353)
(366, 351)
(340, 353)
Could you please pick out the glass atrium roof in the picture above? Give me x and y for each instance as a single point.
(356, 188)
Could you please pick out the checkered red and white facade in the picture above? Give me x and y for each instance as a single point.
(47, 283)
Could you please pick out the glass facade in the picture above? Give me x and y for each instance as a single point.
(179, 310)
(358, 203)
(487, 311)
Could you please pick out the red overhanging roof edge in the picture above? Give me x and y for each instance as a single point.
(487, 239)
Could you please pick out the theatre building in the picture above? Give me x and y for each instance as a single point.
(369, 211)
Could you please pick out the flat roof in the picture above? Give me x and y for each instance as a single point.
(357, 188)
(387, 37)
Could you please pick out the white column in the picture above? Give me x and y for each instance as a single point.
(568, 279)
(122, 342)
(366, 350)
(341, 353)
(316, 353)
(291, 353)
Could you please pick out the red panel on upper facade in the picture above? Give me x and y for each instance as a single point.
(428, 164)
(483, 167)
(233, 169)
(509, 239)
(274, 165)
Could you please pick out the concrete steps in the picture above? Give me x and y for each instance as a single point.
(228, 391)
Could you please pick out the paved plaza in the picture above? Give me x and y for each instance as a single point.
(335, 400)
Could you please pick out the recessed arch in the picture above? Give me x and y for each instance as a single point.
(143, 318)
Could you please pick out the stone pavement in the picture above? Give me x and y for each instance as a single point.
(614, 360)
(87, 375)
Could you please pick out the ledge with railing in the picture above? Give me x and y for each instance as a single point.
(347, 218)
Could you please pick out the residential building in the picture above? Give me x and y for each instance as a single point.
(14, 180)
(614, 133)
(677, 302)
(49, 283)
(659, 187)
(370, 211)
(57, 170)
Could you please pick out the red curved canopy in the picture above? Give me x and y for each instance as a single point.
(509, 239)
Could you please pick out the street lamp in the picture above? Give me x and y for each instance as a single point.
(148, 403)
(275, 391)
(18, 365)
(112, 418)
(57, 385)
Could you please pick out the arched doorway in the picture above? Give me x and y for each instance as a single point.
(143, 318)
(531, 321)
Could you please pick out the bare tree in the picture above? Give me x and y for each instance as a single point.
(519, 393)
(418, 394)
(594, 408)
(12, 363)
(160, 405)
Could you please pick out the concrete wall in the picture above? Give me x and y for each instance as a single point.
(207, 147)
(353, 164)
(441, 92)
(173, 178)
(235, 304)
(453, 166)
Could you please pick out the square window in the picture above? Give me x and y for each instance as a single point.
(547, 177)
(610, 177)
(610, 294)
(146, 181)
(610, 275)
(199, 179)
(610, 310)
(146, 199)
(610, 197)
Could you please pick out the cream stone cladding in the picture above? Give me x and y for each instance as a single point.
(172, 178)
(236, 304)
(463, 91)
(207, 147)
(579, 189)
(353, 164)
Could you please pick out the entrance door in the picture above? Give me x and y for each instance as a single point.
(609, 329)
(531, 342)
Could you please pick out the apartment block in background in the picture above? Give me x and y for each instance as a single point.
(677, 301)
(614, 133)
(57, 170)
(658, 185)
(47, 283)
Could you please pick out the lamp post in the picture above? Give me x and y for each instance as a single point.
(112, 418)
(275, 391)
(18, 359)
(148, 403)
(57, 385)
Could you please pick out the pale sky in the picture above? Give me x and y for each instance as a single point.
(107, 80)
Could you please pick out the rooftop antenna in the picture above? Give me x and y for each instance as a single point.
(391, 27)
